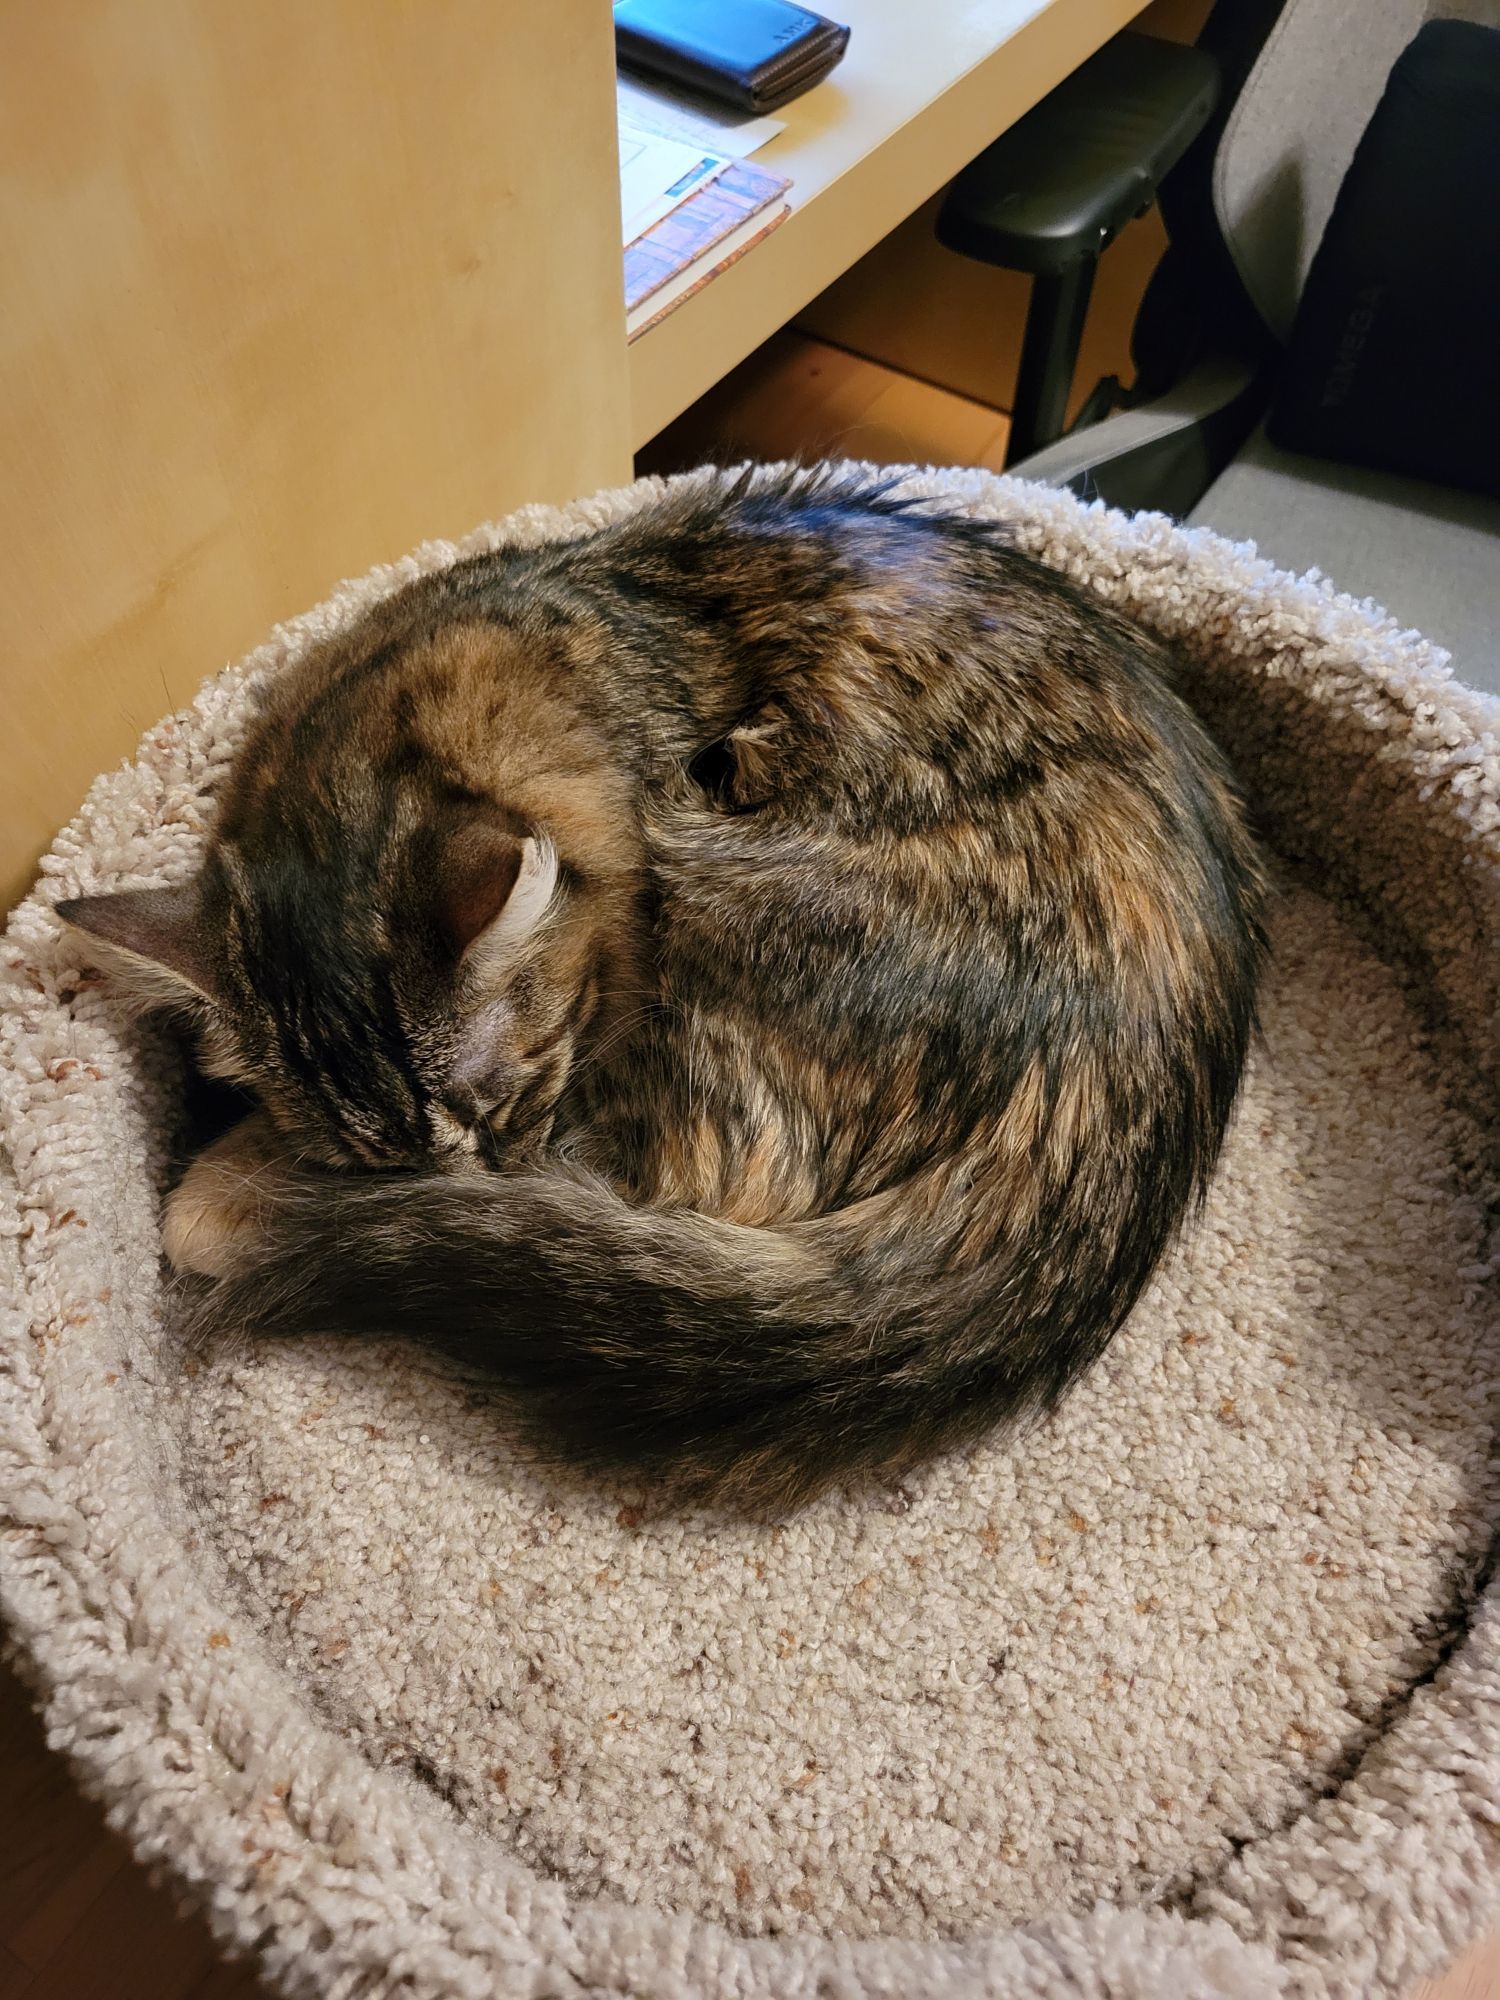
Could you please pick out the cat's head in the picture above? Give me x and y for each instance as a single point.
(415, 999)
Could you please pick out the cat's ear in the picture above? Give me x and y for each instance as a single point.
(497, 887)
(156, 938)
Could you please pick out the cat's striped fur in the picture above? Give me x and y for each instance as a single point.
(885, 962)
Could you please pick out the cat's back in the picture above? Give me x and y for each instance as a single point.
(966, 825)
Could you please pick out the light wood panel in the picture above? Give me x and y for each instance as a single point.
(288, 288)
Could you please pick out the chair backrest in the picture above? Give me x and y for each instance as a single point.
(1292, 130)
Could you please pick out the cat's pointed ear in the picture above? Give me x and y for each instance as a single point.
(497, 887)
(156, 937)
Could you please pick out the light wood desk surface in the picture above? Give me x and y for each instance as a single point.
(923, 87)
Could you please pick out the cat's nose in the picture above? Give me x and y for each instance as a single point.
(457, 1129)
(472, 1108)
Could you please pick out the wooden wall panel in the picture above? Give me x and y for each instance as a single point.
(288, 288)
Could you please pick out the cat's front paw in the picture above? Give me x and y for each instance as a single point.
(213, 1217)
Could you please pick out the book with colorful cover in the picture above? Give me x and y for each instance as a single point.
(706, 221)
(698, 274)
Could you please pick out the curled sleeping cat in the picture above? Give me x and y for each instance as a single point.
(764, 981)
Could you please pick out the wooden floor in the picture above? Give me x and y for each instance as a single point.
(78, 1920)
(801, 398)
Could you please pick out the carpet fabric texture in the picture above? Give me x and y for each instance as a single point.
(1194, 1690)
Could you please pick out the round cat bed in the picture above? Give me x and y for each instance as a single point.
(1194, 1689)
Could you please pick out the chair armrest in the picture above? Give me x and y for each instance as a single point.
(1163, 456)
(1066, 178)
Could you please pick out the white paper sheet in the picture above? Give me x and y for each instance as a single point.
(657, 172)
(654, 108)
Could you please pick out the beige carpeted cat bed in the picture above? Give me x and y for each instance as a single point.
(1193, 1692)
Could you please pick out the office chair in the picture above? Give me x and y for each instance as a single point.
(1245, 197)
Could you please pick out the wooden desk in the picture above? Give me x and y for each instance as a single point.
(925, 85)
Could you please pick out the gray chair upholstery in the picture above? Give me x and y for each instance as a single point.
(1429, 554)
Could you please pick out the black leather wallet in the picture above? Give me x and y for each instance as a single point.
(753, 54)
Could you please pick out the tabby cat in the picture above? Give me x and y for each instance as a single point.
(764, 981)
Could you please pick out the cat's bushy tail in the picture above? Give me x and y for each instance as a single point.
(749, 1366)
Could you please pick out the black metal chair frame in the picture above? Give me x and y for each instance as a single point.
(1139, 123)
